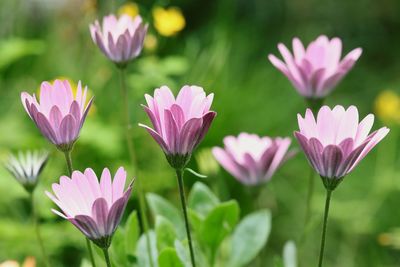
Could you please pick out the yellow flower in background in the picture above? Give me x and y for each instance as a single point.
(150, 42)
(387, 106)
(29, 262)
(168, 21)
(131, 9)
(74, 87)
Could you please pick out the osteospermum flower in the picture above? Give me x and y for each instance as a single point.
(179, 124)
(94, 207)
(336, 141)
(252, 159)
(314, 71)
(58, 114)
(120, 39)
(26, 167)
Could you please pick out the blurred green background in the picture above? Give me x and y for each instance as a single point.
(223, 48)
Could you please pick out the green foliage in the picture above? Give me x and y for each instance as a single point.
(250, 237)
(169, 258)
(165, 232)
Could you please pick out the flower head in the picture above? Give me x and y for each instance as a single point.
(315, 71)
(168, 21)
(252, 159)
(179, 124)
(94, 207)
(120, 39)
(59, 115)
(336, 141)
(26, 167)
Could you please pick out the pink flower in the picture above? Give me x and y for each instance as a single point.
(59, 115)
(336, 142)
(252, 159)
(120, 39)
(315, 71)
(179, 124)
(94, 207)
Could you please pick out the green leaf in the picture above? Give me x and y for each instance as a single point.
(196, 221)
(161, 206)
(165, 233)
(117, 250)
(201, 199)
(219, 223)
(169, 258)
(14, 49)
(183, 253)
(142, 252)
(249, 237)
(289, 254)
(132, 233)
(196, 173)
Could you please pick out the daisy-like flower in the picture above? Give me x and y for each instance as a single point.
(58, 114)
(335, 142)
(27, 167)
(120, 39)
(314, 71)
(94, 207)
(252, 159)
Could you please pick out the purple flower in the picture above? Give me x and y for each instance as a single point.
(94, 207)
(120, 39)
(252, 159)
(59, 115)
(179, 124)
(315, 71)
(336, 142)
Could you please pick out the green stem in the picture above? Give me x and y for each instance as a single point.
(107, 257)
(68, 159)
(127, 122)
(327, 202)
(37, 230)
(179, 175)
(89, 247)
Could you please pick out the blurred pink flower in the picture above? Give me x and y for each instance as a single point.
(94, 207)
(59, 115)
(120, 39)
(252, 159)
(179, 124)
(336, 142)
(315, 71)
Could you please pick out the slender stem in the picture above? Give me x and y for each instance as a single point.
(327, 203)
(127, 121)
(37, 230)
(107, 257)
(68, 159)
(179, 175)
(89, 248)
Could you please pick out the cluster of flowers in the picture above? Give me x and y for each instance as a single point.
(334, 142)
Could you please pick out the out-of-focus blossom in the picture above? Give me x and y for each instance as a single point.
(150, 42)
(94, 207)
(168, 21)
(59, 115)
(131, 9)
(179, 124)
(120, 39)
(206, 162)
(29, 262)
(387, 107)
(316, 70)
(336, 141)
(252, 159)
(26, 167)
